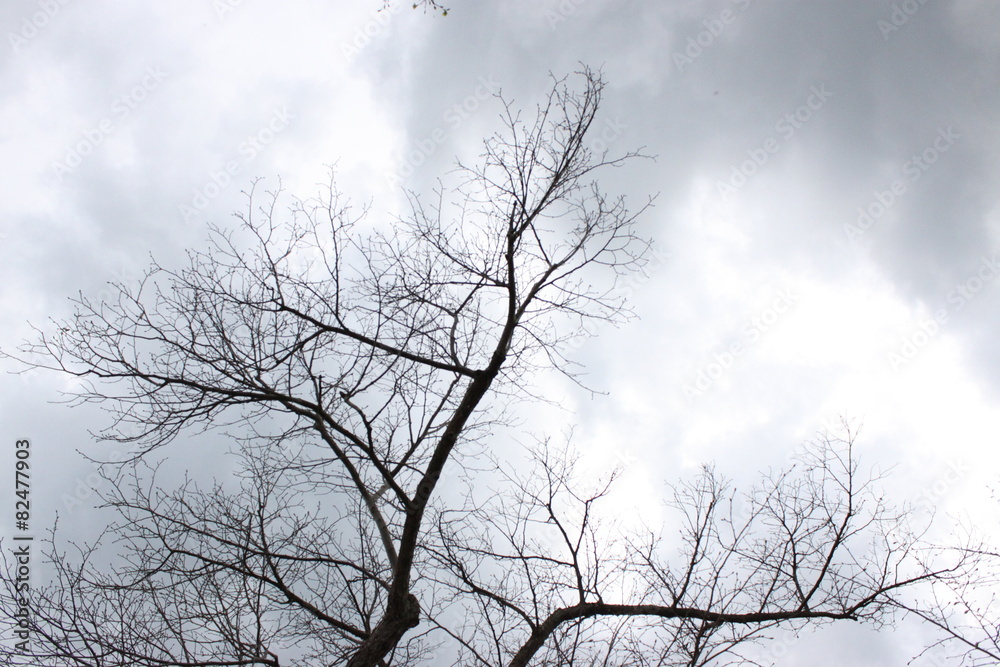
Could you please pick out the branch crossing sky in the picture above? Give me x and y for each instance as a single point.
(827, 226)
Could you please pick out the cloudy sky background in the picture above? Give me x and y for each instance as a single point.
(126, 128)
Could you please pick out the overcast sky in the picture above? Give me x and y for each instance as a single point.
(827, 226)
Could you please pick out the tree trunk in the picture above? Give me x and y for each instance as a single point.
(386, 636)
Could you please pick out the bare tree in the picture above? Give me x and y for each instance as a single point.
(426, 5)
(811, 544)
(352, 370)
(964, 611)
